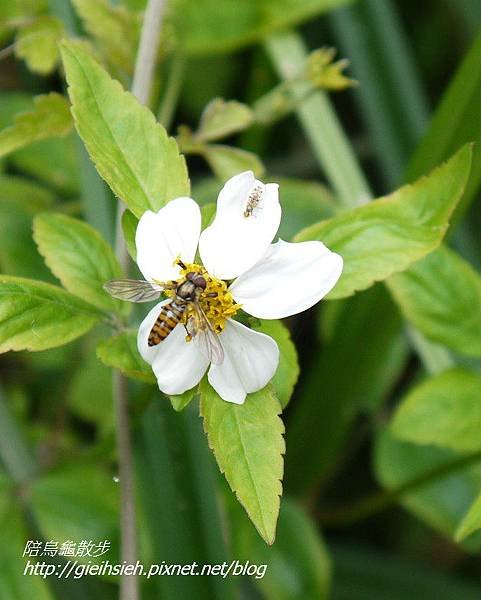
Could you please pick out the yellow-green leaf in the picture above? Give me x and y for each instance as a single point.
(36, 315)
(227, 161)
(79, 257)
(444, 410)
(50, 117)
(115, 30)
(441, 296)
(37, 44)
(248, 445)
(120, 352)
(386, 236)
(131, 151)
(222, 118)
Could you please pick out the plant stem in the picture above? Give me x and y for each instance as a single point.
(374, 503)
(172, 90)
(320, 123)
(332, 148)
(141, 87)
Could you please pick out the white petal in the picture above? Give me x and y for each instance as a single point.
(163, 236)
(234, 242)
(289, 279)
(250, 361)
(177, 364)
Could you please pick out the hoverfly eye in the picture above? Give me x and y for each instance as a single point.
(200, 282)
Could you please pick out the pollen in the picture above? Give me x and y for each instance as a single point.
(216, 301)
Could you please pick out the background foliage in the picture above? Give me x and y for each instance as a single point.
(382, 471)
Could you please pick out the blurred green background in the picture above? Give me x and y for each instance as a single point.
(358, 520)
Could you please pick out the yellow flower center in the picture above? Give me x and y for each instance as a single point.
(216, 301)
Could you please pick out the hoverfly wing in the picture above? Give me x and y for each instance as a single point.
(204, 336)
(133, 290)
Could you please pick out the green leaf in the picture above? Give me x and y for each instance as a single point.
(471, 521)
(248, 445)
(227, 161)
(221, 119)
(441, 295)
(455, 122)
(442, 502)
(212, 26)
(120, 352)
(89, 501)
(37, 44)
(287, 372)
(444, 410)
(387, 235)
(298, 564)
(37, 316)
(79, 257)
(115, 30)
(132, 152)
(129, 226)
(183, 400)
(50, 117)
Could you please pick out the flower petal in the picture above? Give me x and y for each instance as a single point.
(234, 242)
(289, 279)
(163, 236)
(177, 364)
(250, 361)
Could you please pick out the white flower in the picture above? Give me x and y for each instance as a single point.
(270, 281)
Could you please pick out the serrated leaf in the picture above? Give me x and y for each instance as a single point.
(222, 118)
(49, 117)
(287, 372)
(441, 296)
(131, 151)
(79, 257)
(471, 521)
(37, 44)
(36, 315)
(213, 26)
(248, 445)
(227, 161)
(389, 234)
(120, 352)
(444, 410)
(115, 30)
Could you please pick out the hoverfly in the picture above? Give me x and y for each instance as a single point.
(187, 294)
(253, 200)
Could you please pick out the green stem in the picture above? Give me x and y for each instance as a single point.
(334, 153)
(141, 88)
(320, 123)
(374, 503)
(14, 451)
(172, 91)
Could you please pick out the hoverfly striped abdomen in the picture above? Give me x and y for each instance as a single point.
(170, 315)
